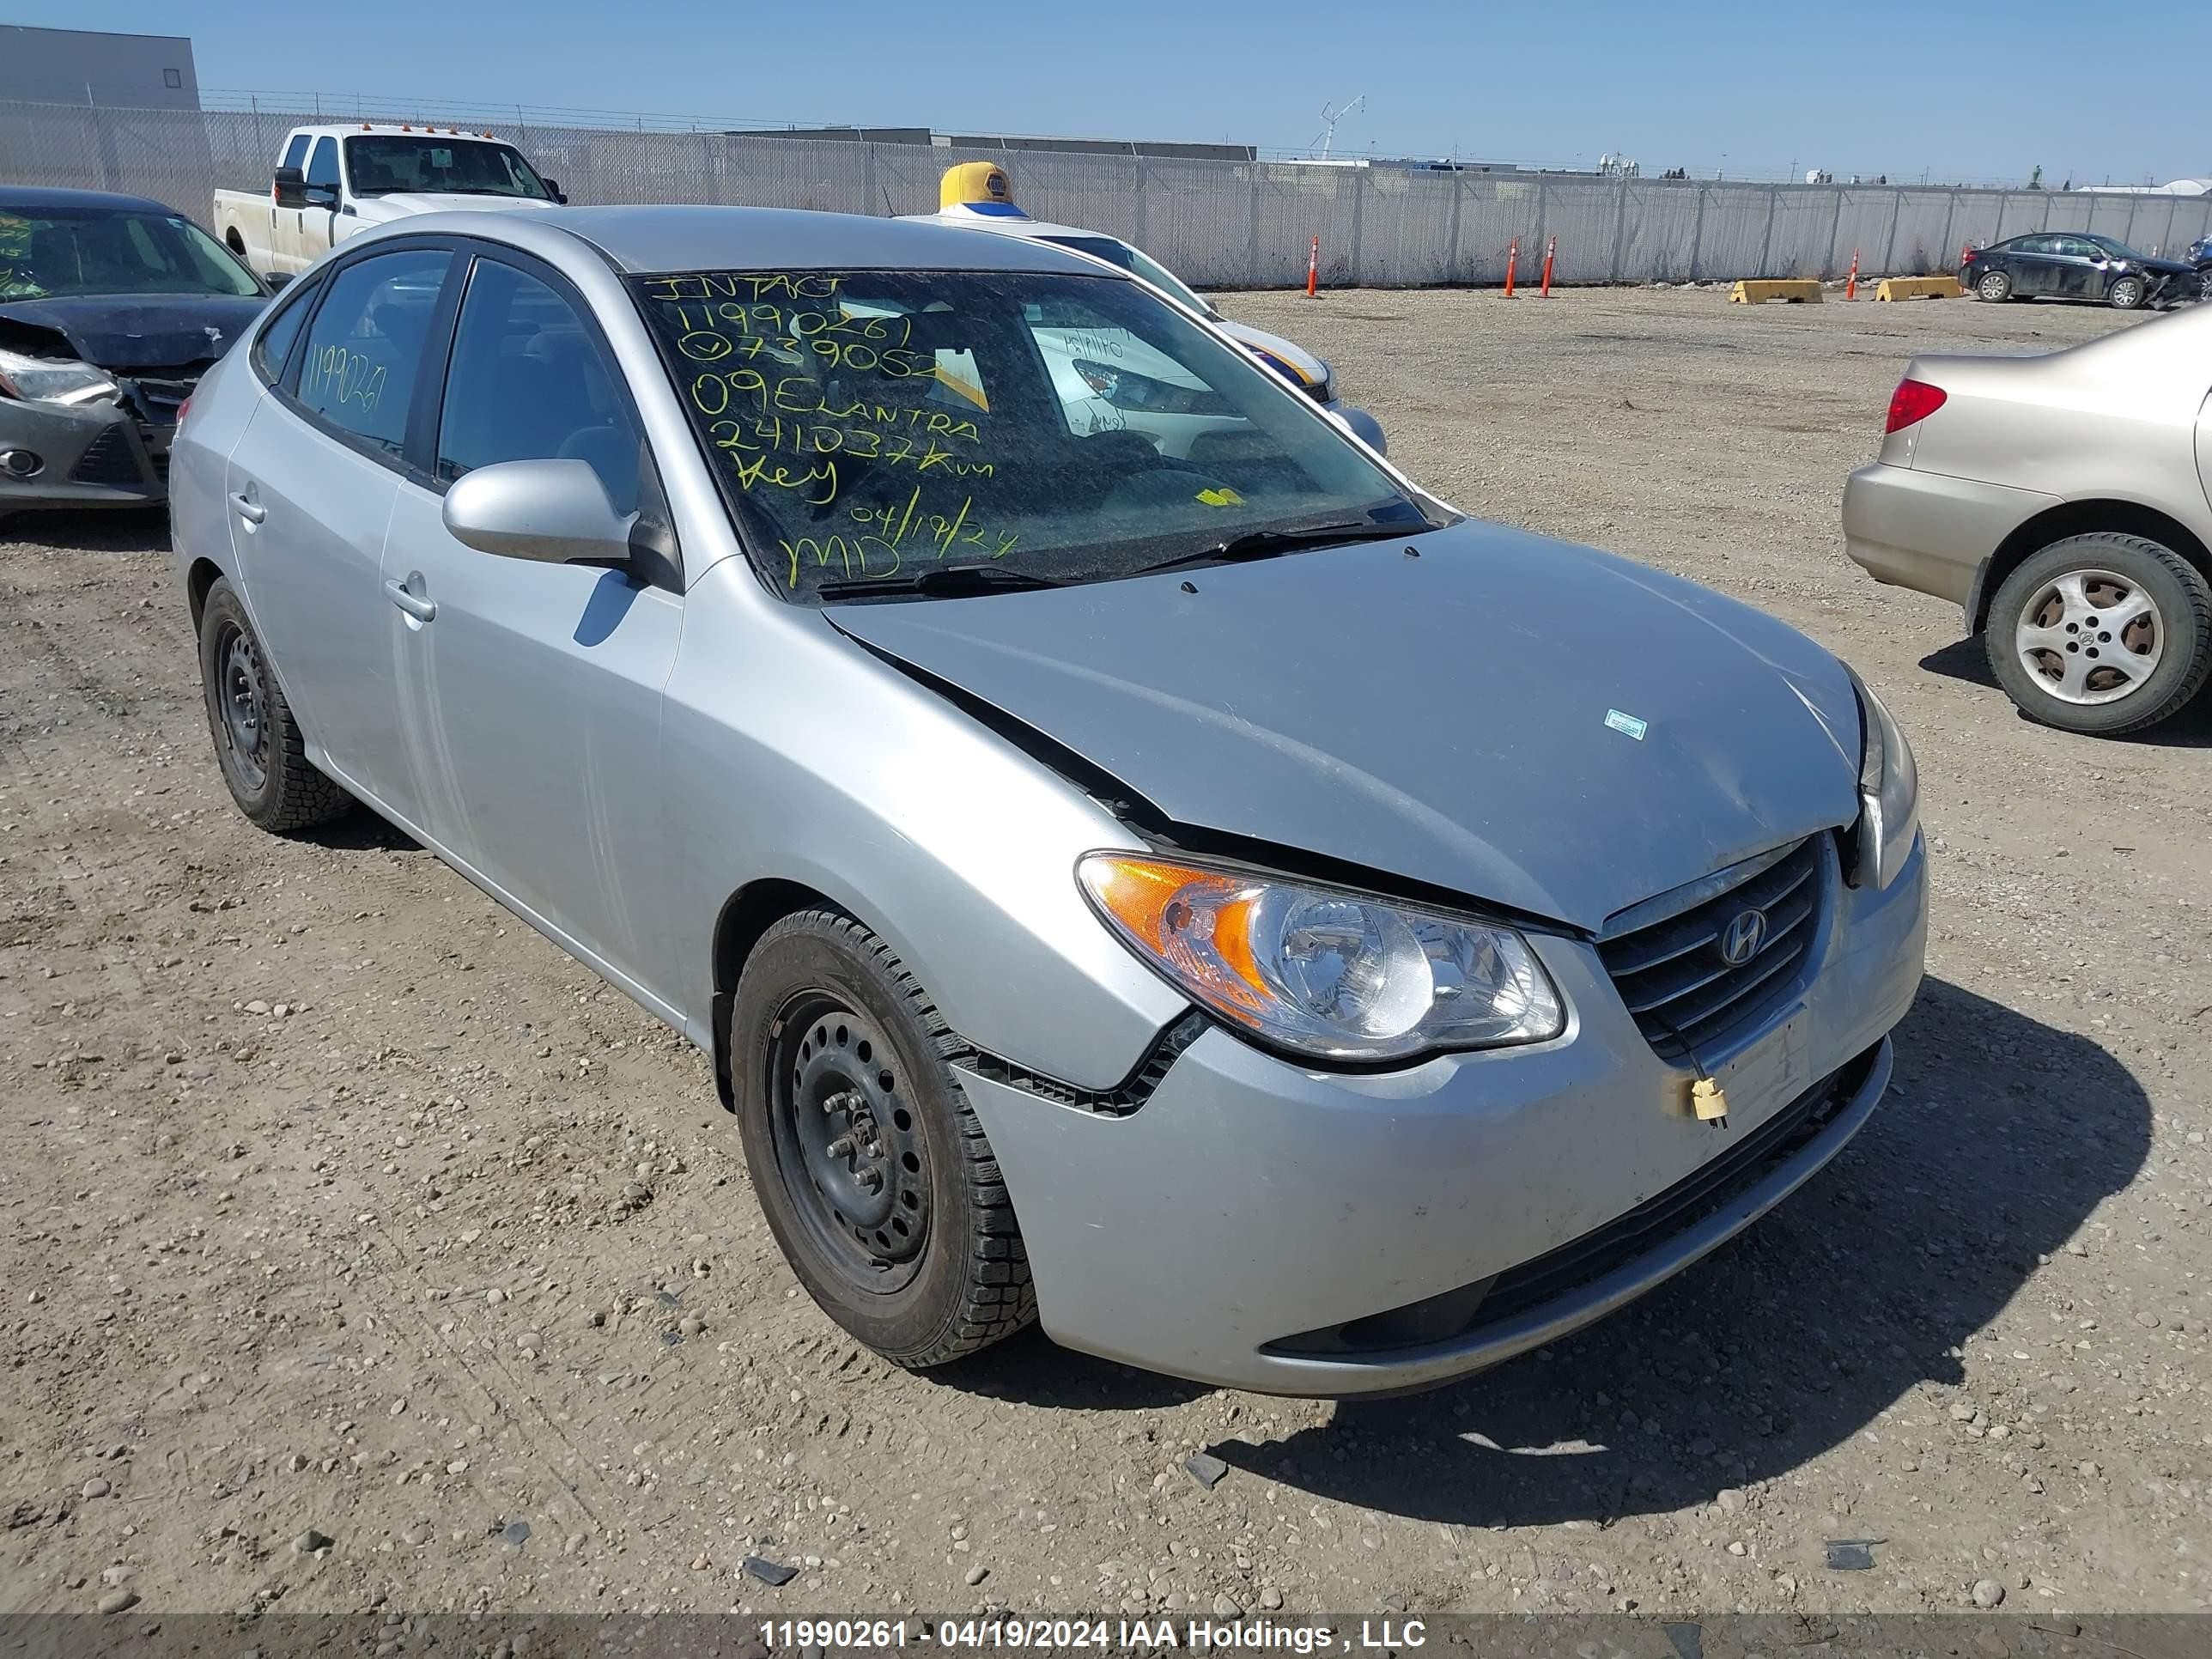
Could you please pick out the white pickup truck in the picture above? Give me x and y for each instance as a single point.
(333, 181)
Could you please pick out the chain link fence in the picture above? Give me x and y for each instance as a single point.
(1219, 224)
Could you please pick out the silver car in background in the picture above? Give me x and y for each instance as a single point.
(2060, 500)
(1136, 861)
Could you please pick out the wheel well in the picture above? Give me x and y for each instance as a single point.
(201, 576)
(236, 242)
(750, 912)
(2080, 519)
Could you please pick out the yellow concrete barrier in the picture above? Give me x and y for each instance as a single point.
(1805, 292)
(1920, 287)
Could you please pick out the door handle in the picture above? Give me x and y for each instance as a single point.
(249, 510)
(413, 603)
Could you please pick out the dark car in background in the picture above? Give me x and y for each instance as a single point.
(2200, 260)
(110, 309)
(2075, 264)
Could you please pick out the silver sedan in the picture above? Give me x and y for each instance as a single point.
(1137, 861)
(2060, 500)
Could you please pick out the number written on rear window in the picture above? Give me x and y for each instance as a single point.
(366, 343)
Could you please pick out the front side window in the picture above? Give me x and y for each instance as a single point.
(53, 252)
(384, 162)
(528, 382)
(365, 344)
(323, 165)
(867, 426)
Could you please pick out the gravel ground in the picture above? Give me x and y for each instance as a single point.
(357, 1247)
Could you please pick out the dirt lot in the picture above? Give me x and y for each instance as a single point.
(313, 1163)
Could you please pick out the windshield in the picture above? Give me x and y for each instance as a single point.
(53, 251)
(867, 426)
(380, 164)
(2118, 250)
(1135, 261)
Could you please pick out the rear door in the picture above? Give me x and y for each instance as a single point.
(531, 693)
(2032, 262)
(310, 487)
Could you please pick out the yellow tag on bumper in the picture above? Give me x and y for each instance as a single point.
(1708, 1100)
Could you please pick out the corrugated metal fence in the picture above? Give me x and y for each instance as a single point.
(1223, 224)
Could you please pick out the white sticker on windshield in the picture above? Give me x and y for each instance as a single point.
(1628, 723)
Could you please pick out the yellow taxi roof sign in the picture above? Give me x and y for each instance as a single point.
(978, 187)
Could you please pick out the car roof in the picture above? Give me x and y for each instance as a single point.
(643, 239)
(30, 198)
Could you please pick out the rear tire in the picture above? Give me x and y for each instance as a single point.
(2126, 294)
(867, 1159)
(257, 742)
(2101, 634)
(1995, 285)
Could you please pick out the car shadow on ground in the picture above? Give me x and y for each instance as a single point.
(2001, 1136)
(1967, 661)
(362, 831)
(104, 530)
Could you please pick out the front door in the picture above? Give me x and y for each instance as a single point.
(531, 693)
(311, 485)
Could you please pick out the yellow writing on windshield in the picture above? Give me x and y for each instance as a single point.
(893, 534)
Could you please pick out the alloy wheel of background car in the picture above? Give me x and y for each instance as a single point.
(2125, 294)
(2204, 284)
(2102, 634)
(257, 742)
(868, 1161)
(1994, 285)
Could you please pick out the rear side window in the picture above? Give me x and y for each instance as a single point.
(274, 344)
(366, 344)
(324, 168)
(295, 153)
(529, 382)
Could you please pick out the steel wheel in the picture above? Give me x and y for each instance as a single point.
(244, 700)
(856, 1162)
(2090, 637)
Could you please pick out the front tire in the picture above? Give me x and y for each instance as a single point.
(257, 742)
(1995, 285)
(2126, 294)
(2102, 634)
(874, 1173)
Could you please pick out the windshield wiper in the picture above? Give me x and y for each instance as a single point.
(1271, 544)
(940, 581)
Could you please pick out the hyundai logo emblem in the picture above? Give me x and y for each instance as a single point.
(1741, 939)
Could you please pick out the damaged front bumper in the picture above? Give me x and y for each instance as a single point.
(95, 455)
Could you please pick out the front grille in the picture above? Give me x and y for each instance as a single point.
(163, 395)
(1681, 988)
(109, 460)
(1472, 1309)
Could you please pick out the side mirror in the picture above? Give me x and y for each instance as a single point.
(552, 512)
(325, 196)
(276, 279)
(1361, 425)
(291, 187)
(553, 189)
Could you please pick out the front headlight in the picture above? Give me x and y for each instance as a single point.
(53, 380)
(1889, 793)
(1334, 975)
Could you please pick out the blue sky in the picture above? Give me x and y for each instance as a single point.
(1970, 92)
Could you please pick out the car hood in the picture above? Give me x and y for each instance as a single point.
(1442, 718)
(400, 202)
(139, 331)
(1311, 369)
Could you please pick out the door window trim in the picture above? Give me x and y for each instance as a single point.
(435, 341)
